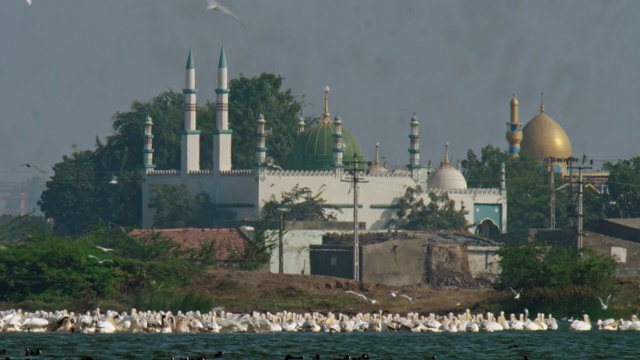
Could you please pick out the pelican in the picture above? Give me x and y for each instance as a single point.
(581, 325)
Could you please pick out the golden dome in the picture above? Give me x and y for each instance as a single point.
(543, 137)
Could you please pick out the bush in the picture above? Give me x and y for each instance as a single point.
(536, 265)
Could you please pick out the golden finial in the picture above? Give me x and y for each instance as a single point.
(377, 163)
(326, 116)
(446, 154)
(542, 101)
(514, 101)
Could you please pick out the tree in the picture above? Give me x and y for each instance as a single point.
(484, 172)
(537, 265)
(88, 172)
(439, 214)
(176, 207)
(250, 97)
(301, 205)
(624, 188)
(72, 197)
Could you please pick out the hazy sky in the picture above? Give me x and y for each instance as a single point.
(67, 66)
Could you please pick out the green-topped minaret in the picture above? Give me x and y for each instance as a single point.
(222, 133)
(190, 136)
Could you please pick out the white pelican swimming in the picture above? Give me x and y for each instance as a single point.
(581, 325)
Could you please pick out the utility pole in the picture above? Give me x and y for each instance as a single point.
(570, 161)
(580, 191)
(552, 193)
(355, 179)
(282, 210)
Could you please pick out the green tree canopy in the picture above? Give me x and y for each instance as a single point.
(301, 204)
(438, 214)
(250, 97)
(537, 265)
(176, 207)
(624, 188)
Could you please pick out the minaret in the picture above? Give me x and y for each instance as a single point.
(300, 125)
(147, 151)
(414, 145)
(337, 142)
(377, 168)
(514, 130)
(446, 163)
(190, 135)
(326, 117)
(222, 133)
(261, 148)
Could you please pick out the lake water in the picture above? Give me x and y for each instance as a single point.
(560, 344)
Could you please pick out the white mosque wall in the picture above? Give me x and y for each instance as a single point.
(375, 198)
(246, 191)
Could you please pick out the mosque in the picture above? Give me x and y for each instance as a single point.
(321, 158)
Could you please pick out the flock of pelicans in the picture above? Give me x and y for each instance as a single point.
(218, 321)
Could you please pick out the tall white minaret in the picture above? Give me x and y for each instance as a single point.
(222, 133)
(337, 142)
(414, 145)
(190, 135)
(261, 146)
(147, 151)
(300, 125)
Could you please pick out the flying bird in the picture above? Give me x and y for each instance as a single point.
(373, 301)
(100, 261)
(35, 167)
(604, 304)
(407, 297)
(103, 248)
(216, 6)
(516, 293)
(29, 2)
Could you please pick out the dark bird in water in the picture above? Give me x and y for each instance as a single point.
(316, 357)
(290, 357)
(512, 346)
(219, 354)
(86, 358)
(32, 352)
(363, 357)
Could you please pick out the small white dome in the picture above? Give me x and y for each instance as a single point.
(447, 177)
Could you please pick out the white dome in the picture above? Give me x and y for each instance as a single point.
(447, 177)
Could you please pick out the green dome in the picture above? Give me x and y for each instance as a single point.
(314, 148)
